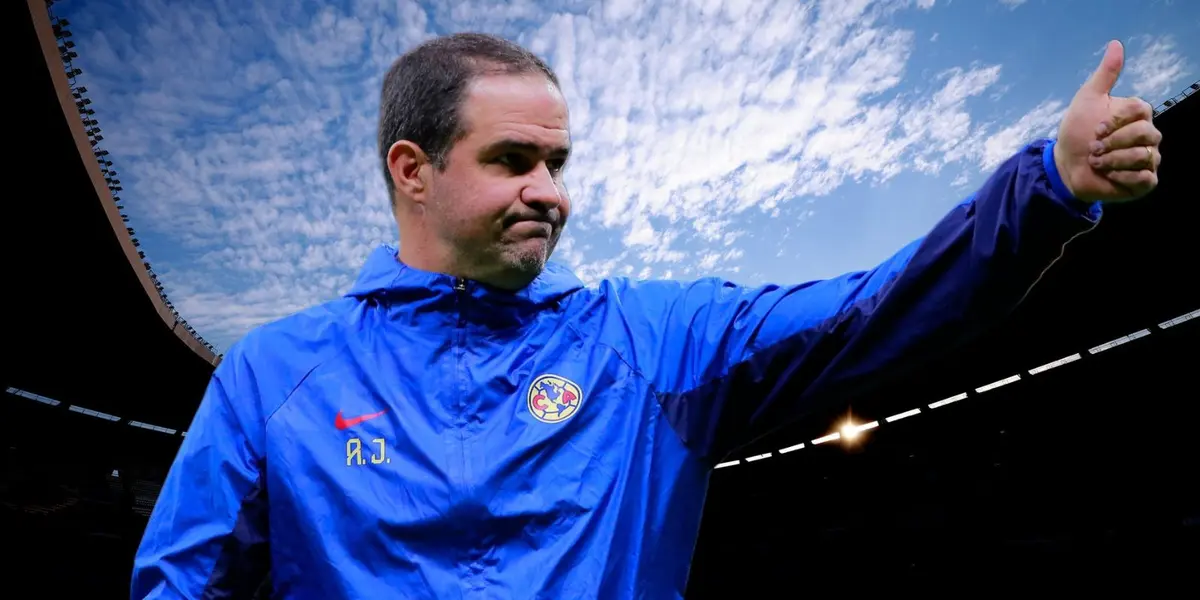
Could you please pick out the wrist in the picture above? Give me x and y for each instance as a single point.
(1059, 178)
(1056, 172)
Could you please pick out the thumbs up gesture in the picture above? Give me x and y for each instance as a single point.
(1107, 147)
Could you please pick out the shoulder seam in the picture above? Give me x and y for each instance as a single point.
(325, 356)
(655, 393)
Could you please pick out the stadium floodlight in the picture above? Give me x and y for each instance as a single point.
(828, 438)
(850, 430)
(1196, 86)
(76, 72)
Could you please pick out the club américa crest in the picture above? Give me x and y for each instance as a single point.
(553, 399)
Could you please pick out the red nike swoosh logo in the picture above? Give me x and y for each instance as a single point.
(343, 423)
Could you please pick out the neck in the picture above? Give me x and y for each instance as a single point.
(428, 255)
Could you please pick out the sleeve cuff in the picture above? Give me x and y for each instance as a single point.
(1092, 209)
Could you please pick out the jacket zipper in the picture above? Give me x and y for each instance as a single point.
(469, 562)
(460, 338)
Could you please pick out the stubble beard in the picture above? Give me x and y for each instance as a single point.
(530, 262)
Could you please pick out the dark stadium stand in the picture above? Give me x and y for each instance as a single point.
(80, 294)
(1082, 475)
(1077, 476)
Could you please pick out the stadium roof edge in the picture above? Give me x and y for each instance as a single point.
(42, 16)
(1173, 101)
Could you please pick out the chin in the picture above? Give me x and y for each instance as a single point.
(530, 263)
(517, 264)
(524, 265)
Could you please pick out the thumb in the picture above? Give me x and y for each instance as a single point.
(1105, 77)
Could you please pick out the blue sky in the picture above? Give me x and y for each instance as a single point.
(757, 141)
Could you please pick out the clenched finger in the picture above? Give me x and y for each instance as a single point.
(1125, 111)
(1138, 133)
(1127, 159)
(1137, 183)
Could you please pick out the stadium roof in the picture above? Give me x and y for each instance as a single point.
(85, 320)
(88, 326)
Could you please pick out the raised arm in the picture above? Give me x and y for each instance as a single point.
(729, 363)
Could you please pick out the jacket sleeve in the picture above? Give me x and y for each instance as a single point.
(207, 535)
(729, 363)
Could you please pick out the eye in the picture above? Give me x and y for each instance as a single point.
(556, 165)
(515, 162)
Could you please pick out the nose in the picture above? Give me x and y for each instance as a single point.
(542, 191)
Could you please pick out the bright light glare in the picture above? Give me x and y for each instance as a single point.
(849, 431)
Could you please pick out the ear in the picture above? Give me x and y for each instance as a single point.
(408, 166)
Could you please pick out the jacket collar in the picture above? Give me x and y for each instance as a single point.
(384, 276)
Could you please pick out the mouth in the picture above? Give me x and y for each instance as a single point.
(532, 228)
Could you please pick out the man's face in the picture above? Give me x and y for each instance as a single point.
(500, 203)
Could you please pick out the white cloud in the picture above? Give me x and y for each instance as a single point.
(1040, 122)
(245, 135)
(1156, 68)
(1011, 4)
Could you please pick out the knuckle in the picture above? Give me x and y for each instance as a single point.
(1145, 133)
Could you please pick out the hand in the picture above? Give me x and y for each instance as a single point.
(1107, 148)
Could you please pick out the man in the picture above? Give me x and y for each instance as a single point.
(470, 421)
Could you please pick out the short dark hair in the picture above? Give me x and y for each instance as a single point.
(423, 90)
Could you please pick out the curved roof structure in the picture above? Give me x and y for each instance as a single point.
(86, 321)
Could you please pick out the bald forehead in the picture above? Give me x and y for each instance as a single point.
(525, 106)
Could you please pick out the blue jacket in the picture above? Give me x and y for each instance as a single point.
(429, 437)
